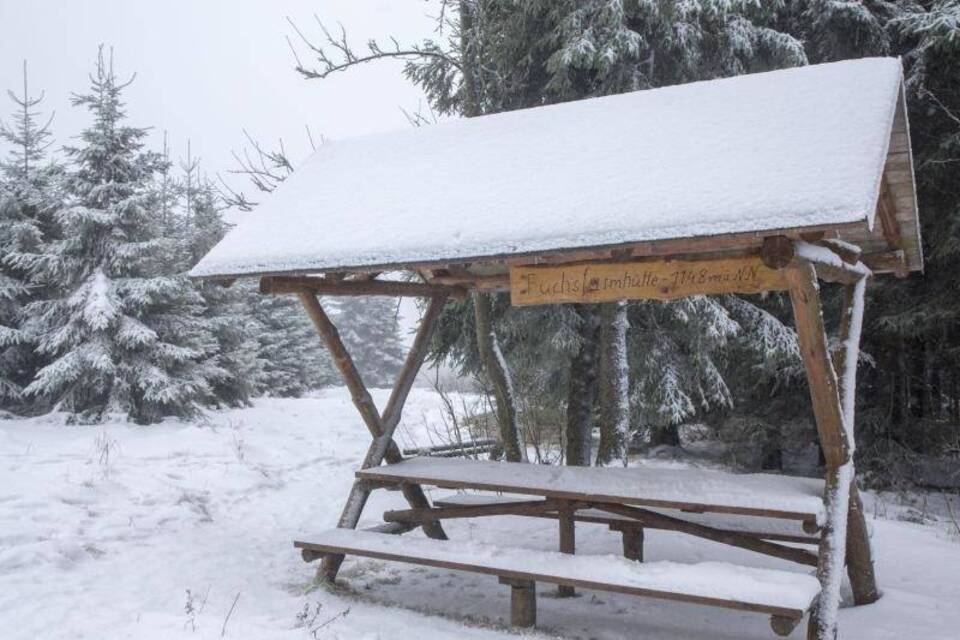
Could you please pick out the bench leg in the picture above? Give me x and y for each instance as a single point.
(523, 602)
(568, 542)
(633, 543)
(632, 539)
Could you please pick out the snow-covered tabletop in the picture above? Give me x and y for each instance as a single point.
(705, 490)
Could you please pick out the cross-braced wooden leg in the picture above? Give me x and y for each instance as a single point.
(380, 427)
(863, 579)
(832, 417)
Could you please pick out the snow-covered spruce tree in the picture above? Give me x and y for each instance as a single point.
(123, 336)
(198, 219)
(29, 198)
(370, 330)
(292, 356)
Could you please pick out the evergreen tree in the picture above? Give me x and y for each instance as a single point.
(201, 225)
(29, 198)
(371, 333)
(294, 360)
(124, 336)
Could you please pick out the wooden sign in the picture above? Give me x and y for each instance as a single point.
(647, 280)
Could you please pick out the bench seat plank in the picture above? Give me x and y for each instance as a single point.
(778, 593)
(705, 490)
(763, 527)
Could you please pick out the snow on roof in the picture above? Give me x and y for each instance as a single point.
(779, 150)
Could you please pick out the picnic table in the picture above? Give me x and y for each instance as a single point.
(756, 512)
(742, 510)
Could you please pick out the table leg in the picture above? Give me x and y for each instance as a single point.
(568, 540)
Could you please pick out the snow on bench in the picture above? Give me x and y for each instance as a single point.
(697, 490)
(762, 527)
(784, 595)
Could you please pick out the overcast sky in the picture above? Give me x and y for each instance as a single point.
(208, 68)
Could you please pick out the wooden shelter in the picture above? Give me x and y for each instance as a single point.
(771, 181)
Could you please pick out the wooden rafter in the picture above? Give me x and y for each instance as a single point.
(781, 252)
(332, 287)
(886, 212)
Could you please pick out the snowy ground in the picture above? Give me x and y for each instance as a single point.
(103, 531)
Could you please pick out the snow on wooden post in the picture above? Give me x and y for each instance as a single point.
(834, 438)
(863, 579)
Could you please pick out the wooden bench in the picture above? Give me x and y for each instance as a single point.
(783, 595)
(763, 528)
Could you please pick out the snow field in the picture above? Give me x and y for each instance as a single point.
(104, 529)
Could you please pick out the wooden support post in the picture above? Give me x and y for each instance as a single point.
(633, 543)
(380, 427)
(568, 540)
(523, 602)
(834, 438)
(860, 569)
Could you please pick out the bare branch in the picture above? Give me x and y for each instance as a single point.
(345, 56)
(926, 93)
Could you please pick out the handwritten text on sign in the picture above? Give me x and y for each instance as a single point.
(657, 280)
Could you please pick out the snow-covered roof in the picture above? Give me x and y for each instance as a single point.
(790, 149)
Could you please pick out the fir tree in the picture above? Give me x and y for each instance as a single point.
(370, 331)
(124, 336)
(294, 360)
(201, 225)
(29, 198)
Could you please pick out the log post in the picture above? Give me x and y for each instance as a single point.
(568, 540)
(834, 438)
(523, 602)
(633, 543)
(380, 427)
(860, 569)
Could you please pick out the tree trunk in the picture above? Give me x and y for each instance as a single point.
(614, 407)
(930, 399)
(582, 389)
(903, 375)
(496, 369)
